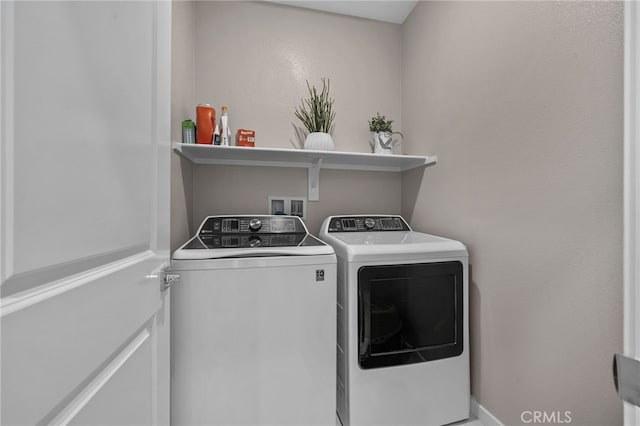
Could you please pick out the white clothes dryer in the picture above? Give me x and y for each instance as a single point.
(253, 325)
(403, 335)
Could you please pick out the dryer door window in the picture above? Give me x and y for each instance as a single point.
(409, 313)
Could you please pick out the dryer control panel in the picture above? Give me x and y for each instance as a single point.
(367, 224)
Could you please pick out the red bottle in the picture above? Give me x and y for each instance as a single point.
(205, 122)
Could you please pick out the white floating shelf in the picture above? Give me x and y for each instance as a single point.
(311, 160)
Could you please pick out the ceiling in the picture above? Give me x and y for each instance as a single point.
(395, 11)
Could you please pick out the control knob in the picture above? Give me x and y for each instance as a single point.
(255, 224)
(369, 223)
(255, 241)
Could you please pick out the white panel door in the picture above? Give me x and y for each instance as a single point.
(84, 178)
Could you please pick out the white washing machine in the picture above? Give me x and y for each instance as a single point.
(253, 325)
(403, 335)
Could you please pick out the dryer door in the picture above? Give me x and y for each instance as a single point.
(409, 313)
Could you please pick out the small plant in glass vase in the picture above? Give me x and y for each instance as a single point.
(317, 115)
(382, 135)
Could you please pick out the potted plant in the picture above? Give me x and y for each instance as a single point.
(317, 115)
(382, 141)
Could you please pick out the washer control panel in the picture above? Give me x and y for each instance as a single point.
(367, 224)
(225, 225)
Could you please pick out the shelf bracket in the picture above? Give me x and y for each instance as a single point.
(314, 180)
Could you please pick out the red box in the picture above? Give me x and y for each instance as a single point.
(245, 137)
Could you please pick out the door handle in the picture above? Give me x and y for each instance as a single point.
(626, 377)
(167, 279)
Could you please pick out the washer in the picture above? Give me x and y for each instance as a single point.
(403, 351)
(253, 325)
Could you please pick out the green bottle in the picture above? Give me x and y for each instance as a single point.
(188, 131)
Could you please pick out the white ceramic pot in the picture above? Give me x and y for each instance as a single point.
(319, 141)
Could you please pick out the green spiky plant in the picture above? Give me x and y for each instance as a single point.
(316, 112)
(379, 123)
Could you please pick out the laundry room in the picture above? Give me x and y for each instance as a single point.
(483, 262)
(521, 102)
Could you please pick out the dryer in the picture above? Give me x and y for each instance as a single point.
(403, 335)
(253, 325)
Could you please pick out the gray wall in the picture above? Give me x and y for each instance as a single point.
(255, 57)
(522, 103)
(231, 189)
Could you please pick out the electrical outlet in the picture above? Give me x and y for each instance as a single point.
(291, 206)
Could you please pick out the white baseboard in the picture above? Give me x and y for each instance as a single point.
(482, 414)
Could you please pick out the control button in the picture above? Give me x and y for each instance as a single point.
(369, 223)
(255, 224)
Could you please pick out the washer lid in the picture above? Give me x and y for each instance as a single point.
(247, 246)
